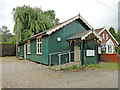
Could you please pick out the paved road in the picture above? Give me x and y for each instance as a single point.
(26, 74)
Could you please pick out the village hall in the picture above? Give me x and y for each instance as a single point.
(74, 40)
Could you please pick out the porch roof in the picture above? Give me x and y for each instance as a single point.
(84, 34)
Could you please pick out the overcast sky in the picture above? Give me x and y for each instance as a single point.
(93, 11)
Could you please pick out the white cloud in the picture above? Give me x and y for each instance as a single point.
(95, 13)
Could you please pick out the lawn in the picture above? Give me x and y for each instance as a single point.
(104, 66)
(101, 66)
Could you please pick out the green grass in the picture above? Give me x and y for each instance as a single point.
(54, 69)
(101, 66)
(109, 66)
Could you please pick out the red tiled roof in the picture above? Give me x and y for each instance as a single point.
(103, 42)
(99, 29)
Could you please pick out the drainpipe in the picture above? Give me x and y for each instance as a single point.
(69, 52)
(82, 54)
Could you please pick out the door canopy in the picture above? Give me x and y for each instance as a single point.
(86, 35)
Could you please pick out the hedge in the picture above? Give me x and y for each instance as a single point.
(7, 49)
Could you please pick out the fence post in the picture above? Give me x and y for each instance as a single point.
(69, 56)
(50, 59)
(59, 60)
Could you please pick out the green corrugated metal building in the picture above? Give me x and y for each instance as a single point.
(71, 35)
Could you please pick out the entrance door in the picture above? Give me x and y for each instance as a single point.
(77, 51)
(25, 50)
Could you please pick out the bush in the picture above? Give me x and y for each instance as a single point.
(117, 49)
(7, 49)
(74, 66)
(103, 52)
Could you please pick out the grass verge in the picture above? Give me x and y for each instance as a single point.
(101, 66)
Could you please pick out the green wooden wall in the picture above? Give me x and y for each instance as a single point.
(64, 33)
(36, 57)
(33, 56)
(90, 59)
(21, 53)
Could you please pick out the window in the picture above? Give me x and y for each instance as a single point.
(18, 48)
(106, 36)
(103, 36)
(28, 47)
(39, 45)
(103, 47)
(109, 48)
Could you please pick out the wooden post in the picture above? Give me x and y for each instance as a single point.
(50, 59)
(82, 53)
(69, 51)
(69, 56)
(85, 47)
(59, 60)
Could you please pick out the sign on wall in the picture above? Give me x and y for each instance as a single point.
(90, 52)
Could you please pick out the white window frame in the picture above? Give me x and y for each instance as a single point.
(110, 49)
(103, 36)
(106, 36)
(18, 48)
(28, 47)
(39, 45)
(110, 46)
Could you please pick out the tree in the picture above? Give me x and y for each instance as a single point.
(115, 35)
(5, 34)
(119, 35)
(32, 21)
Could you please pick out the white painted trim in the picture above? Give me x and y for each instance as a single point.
(106, 48)
(95, 33)
(28, 43)
(18, 48)
(67, 22)
(112, 37)
(86, 22)
(110, 43)
(25, 50)
(101, 30)
(109, 34)
(37, 45)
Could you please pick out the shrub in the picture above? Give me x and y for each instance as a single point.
(103, 51)
(8, 49)
(74, 66)
(117, 49)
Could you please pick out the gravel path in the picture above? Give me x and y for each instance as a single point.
(26, 74)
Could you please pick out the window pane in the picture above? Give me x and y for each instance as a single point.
(38, 39)
(106, 36)
(103, 36)
(40, 45)
(38, 48)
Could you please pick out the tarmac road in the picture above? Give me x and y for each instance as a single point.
(26, 74)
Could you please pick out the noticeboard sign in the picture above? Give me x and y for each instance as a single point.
(90, 52)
